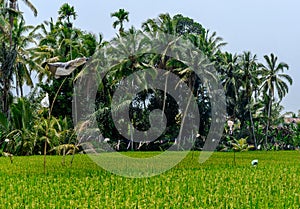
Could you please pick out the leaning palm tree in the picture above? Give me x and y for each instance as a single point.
(121, 15)
(274, 82)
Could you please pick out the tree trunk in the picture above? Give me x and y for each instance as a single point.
(253, 130)
(5, 97)
(17, 86)
(13, 6)
(21, 90)
(268, 121)
(7, 60)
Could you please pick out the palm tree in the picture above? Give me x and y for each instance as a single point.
(4, 24)
(13, 4)
(9, 54)
(66, 12)
(7, 58)
(12, 8)
(164, 23)
(54, 44)
(249, 76)
(230, 80)
(208, 43)
(274, 82)
(121, 16)
(212, 44)
(24, 64)
(130, 46)
(201, 39)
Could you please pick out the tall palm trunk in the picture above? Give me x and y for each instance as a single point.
(252, 127)
(165, 95)
(249, 92)
(12, 5)
(21, 89)
(19, 83)
(8, 57)
(269, 116)
(5, 97)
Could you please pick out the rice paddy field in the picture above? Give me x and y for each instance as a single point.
(217, 183)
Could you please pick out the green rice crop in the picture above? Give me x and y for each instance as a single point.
(217, 183)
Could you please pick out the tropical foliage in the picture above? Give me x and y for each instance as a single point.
(254, 87)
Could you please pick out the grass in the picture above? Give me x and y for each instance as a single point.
(217, 183)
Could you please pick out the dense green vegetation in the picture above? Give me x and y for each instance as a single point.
(253, 87)
(217, 183)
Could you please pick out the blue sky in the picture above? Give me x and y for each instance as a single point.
(259, 26)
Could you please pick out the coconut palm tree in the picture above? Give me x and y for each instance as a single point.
(208, 43)
(125, 56)
(12, 9)
(24, 64)
(201, 39)
(230, 80)
(122, 16)
(7, 59)
(13, 4)
(59, 41)
(9, 54)
(163, 23)
(4, 24)
(275, 82)
(68, 33)
(54, 44)
(249, 75)
(212, 44)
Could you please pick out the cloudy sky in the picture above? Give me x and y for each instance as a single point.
(259, 26)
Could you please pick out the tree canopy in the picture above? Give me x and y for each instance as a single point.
(254, 88)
